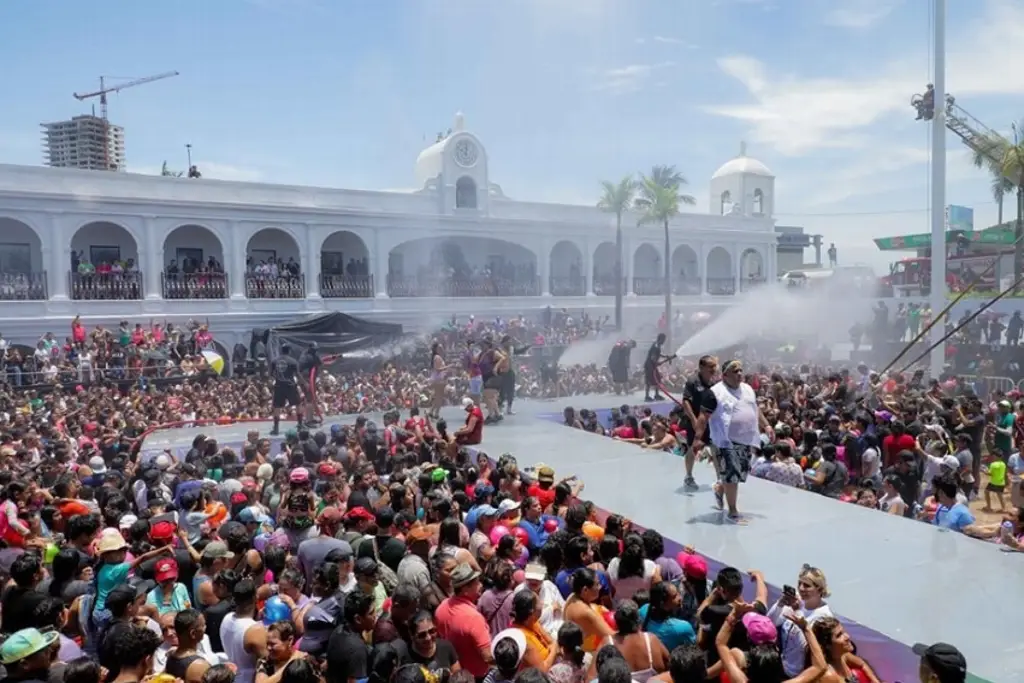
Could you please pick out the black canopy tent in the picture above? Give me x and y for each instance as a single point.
(336, 334)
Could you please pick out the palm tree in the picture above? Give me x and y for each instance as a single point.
(1005, 161)
(659, 200)
(618, 198)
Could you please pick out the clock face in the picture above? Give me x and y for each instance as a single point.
(465, 152)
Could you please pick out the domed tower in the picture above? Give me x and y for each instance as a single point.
(743, 186)
(456, 168)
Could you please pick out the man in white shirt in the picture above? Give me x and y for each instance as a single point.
(735, 426)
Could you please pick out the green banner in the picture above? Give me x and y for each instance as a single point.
(993, 236)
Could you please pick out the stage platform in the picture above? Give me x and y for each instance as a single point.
(893, 581)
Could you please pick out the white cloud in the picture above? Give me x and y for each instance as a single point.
(627, 79)
(858, 14)
(796, 115)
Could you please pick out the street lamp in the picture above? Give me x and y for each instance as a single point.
(188, 149)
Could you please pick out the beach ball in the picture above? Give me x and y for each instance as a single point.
(521, 535)
(609, 618)
(550, 525)
(498, 532)
(275, 610)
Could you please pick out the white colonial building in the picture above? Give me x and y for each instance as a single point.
(113, 246)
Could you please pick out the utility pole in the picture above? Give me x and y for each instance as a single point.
(188, 148)
(938, 208)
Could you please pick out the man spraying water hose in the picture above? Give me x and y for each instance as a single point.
(655, 359)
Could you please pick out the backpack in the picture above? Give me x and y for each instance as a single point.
(385, 574)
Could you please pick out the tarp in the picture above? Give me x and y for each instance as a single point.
(335, 333)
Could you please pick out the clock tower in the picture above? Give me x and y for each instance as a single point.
(455, 167)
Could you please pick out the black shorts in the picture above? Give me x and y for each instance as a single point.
(285, 395)
(651, 376)
(620, 375)
(995, 488)
(495, 382)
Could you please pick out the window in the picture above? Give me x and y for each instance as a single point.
(183, 254)
(332, 262)
(15, 258)
(465, 193)
(104, 254)
(258, 255)
(758, 203)
(726, 202)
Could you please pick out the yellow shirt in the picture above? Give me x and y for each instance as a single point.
(997, 473)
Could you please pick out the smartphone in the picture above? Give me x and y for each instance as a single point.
(789, 591)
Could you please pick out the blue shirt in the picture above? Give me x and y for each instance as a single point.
(471, 517)
(108, 576)
(564, 582)
(956, 518)
(535, 530)
(672, 632)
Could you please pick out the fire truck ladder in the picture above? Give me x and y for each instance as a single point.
(978, 137)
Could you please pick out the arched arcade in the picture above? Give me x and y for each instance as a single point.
(461, 266)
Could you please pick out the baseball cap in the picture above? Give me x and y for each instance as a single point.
(483, 490)
(418, 533)
(546, 474)
(365, 566)
(25, 643)
(163, 461)
(508, 505)
(216, 550)
(165, 569)
(251, 515)
(360, 513)
(97, 464)
(694, 566)
(329, 517)
(535, 572)
(945, 661)
(126, 522)
(162, 531)
(467, 403)
(760, 629)
(487, 511)
(300, 475)
(438, 475)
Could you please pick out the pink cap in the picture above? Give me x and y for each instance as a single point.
(694, 566)
(760, 629)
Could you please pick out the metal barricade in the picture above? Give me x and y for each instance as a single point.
(985, 386)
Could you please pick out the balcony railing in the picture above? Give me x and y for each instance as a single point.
(194, 285)
(648, 286)
(23, 287)
(346, 286)
(568, 286)
(106, 286)
(686, 286)
(604, 285)
(721, 286)
(400, 286)
(752, 283)
(280, 287)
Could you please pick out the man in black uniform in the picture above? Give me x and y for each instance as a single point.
(697, 429)
(654, 359)
(618, 365)
(286, 387)
(309, 368)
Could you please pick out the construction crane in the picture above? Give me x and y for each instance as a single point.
(102, 94)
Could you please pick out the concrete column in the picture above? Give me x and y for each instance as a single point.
(587, 269)
(153, 260)
(313, 263)
(737, 260)
(702, 267)
(627, 265)
(57, 260)
(234, 259)
(544, 261)
(381, 266)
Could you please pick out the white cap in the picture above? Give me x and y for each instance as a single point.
(126, 521)
(97, 465)
(467, 402)
(163, 461)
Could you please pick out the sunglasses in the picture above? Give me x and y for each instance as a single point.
(431, 633)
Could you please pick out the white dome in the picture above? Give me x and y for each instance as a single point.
(430, 162)
(740, 165)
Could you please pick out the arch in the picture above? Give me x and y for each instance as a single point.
(344, 252)
(268, 243)
(758, 207)
(465, 193)
(21, 247)
(603, 270)
(725, 202)
(719, 271)
(102, 242)
(752, 269)
(648, 273)
(461, 266)
(565, 268)
(193, 241)
(22, 271)
(685, 270)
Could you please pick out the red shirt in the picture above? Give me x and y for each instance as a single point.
(892, 445)
(461, 624)
(477, 435)
(545, 496)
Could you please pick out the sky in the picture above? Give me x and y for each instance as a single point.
(562, 93)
